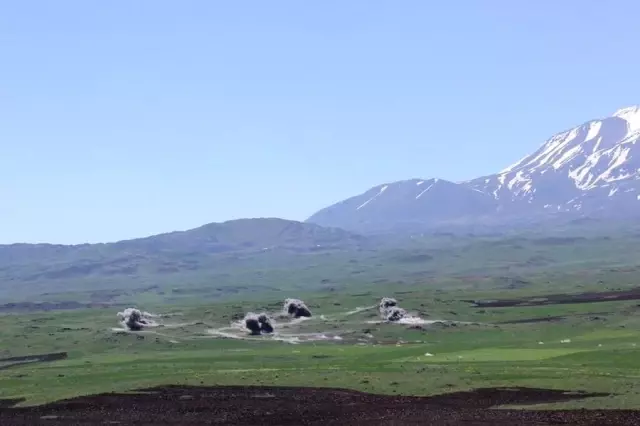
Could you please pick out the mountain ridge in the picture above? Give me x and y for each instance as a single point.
(410, 203)
(582, 177)
(237, 234)
(589, 169)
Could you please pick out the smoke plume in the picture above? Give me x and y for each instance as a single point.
(390, 311)
(135, 320)
(258, 324)
(265, 323)
(296, 308)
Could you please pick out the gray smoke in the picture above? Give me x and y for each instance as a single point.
(390, 311)
(136, 320)
(266, 326)
(258, 324)
(296, 308)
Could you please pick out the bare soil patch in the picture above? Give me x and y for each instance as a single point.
(560, 299)
(180, 405)
(534, 320)
(29, 307)
(591, 316)
(29, 359)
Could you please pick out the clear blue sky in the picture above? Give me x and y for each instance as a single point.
(127, 118)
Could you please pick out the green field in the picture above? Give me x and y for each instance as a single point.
(591, 348)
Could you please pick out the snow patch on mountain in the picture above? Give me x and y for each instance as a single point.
(425, 190)
(406, 202)
(594, 167)
(631, 115)
(596, 155)
(382, 189)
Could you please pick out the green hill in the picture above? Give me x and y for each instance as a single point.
(186, 257)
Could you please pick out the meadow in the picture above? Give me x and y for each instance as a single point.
(571, 346)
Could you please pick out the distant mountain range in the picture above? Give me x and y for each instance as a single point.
(583, 176)
(592, 170)
(207, 254)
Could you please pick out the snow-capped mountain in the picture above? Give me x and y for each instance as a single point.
(406, 204)
(590, 169)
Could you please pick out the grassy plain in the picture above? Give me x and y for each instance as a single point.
(585, 346)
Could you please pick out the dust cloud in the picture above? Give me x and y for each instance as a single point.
(390, 311)
(135, 320)
(258, 324)
(296, 308)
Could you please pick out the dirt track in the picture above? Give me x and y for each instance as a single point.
(309, 406)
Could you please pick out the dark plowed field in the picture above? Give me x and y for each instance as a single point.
(560, 299)
(309, 406)
(29, 359)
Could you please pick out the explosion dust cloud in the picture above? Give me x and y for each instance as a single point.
(135, 320)
(296, 308)
(390, 311)
(258, 324)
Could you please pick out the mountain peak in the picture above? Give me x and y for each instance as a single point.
(405, 203)
(631, 115)
(588, 169)
(572, 168)
(622, 112)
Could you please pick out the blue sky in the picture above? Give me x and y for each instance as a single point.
(126, 118)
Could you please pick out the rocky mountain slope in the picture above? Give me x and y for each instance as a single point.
(589, 170)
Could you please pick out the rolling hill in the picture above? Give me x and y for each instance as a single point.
(197, 256)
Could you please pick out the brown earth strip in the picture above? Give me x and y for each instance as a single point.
(311, 406)
(591, 316)
(533, 320)
(559, 299)
(5, 403)
(28, 307)
(30, 359)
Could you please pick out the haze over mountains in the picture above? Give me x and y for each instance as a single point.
(214, 255)
(589, 170)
